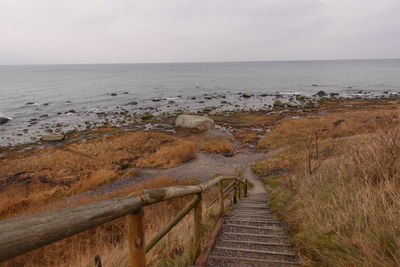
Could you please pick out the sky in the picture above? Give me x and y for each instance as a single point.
(138, 31)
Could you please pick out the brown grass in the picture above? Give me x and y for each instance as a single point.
(346, 213)
(60, 171)
(214, 144)
(246, 137)
(295, 131)
(169, 155)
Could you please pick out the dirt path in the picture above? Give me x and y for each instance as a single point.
(203, 167)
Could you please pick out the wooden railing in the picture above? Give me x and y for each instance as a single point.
(18, 236)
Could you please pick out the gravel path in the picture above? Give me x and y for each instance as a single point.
(251, 235)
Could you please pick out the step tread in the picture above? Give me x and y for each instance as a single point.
(254, 260)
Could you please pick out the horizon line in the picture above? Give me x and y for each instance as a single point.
(197, 62)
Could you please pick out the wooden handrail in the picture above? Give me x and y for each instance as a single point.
(20, 235)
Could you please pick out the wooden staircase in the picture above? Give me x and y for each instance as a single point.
(251, 236)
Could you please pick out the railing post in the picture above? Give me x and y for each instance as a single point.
(136, 242)
(245, 188)
(235, 194)
(221, 199)
(197, 218)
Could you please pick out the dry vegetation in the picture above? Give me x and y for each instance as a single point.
(60, 171)
(345, 212)
(213, 144)
(57, 172)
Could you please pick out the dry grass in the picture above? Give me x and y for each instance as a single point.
(37, 177)
(109, 240)
(346, 213)
(214, 144)
(295, 131)
(246, 137)
(169, 155)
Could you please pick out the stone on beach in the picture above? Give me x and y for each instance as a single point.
(52, 138)
(200, 123)
(3, 120)
(278, 104)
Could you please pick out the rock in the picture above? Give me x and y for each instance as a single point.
(30, 103)
(3, 120)
(278, 104)
(171, 102)
(321, 93)
(52, 138)
(200, 123)
(132, 103)
(113, 94)
(156, 99)
(71, 111)
(247, 95)
(314, 84)
(301, 98)
(292, 105)
(147, 116)
(391, 102)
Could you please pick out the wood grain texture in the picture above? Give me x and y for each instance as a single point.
(136, 239)
(24, 234)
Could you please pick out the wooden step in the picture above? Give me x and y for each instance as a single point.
(254, 254)
(256, 227)
(259, 251)
(237, 261)
(255, 244)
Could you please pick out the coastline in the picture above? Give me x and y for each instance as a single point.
(162, 118)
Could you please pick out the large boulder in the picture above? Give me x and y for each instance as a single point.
(278, 104)
(3, 120)
(291, 104)
(195, 122)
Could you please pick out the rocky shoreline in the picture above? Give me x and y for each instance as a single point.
(41, 130)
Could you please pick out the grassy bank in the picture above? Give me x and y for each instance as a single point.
(341, 201)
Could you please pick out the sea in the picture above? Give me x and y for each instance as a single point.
(37, 98)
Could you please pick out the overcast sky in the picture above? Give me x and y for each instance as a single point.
(107, 31)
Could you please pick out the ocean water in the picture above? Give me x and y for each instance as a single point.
(41, 96)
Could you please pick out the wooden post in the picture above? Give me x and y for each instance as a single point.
(245, 188)
(221, 199)
(240, 190)
(136, 242)
(235, 194)
(197, 218)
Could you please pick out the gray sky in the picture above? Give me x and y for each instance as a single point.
(106, 31)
